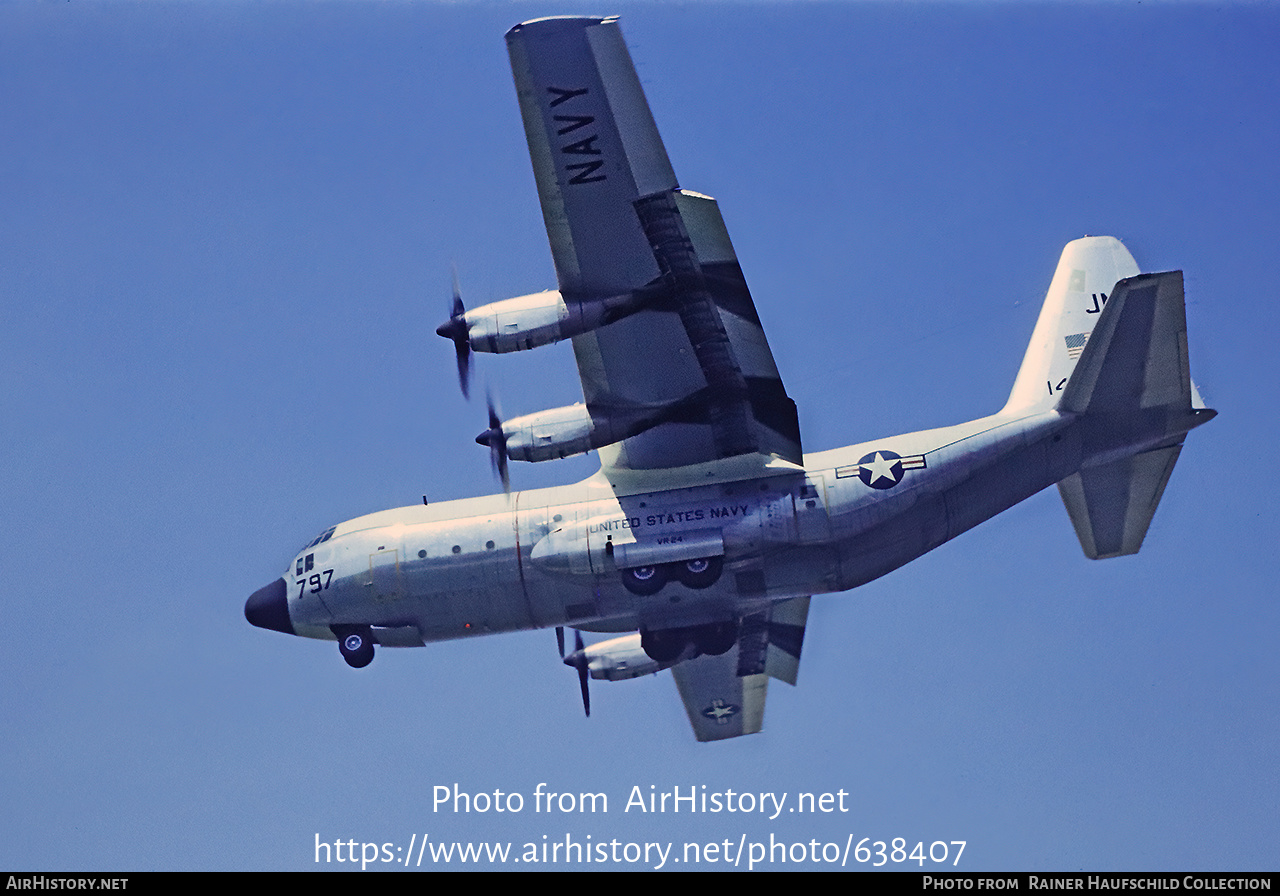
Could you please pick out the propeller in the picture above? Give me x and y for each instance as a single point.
(578, 660)
(497, 442)
(455, 328)
(560, 639)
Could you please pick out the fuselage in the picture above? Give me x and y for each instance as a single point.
(552, 557)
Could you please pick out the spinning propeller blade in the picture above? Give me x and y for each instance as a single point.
(455, 329)
(497, 442)
(578, 660)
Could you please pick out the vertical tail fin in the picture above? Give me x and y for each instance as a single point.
(1086, 273)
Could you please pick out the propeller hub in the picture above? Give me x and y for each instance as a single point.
(455, 328)
(496, 439)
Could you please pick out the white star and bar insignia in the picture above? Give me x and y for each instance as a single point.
(720, 712)
(882, 469)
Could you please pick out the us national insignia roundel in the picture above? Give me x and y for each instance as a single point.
(881, 469)
(720, 712)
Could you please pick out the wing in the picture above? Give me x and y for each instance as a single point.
(720, 703)
(724, 695)
(688, 377)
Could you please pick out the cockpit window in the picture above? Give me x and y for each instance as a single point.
(308, 562)
(322, 537)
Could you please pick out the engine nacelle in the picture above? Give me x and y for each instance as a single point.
(561, 432)
(620, 659)
(548, 435)
(541, 318)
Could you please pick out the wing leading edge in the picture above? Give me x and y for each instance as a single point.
(689, 358)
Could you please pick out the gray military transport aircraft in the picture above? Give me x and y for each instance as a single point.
(707, 528)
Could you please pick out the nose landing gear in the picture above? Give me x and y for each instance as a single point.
(355, 642)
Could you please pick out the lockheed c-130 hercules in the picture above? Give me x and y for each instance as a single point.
(707, 528)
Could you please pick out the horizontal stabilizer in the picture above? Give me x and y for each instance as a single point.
(1111, 506)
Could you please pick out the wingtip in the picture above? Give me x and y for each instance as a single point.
(559, 23)
(1201, 416)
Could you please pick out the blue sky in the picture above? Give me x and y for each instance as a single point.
(226, 243)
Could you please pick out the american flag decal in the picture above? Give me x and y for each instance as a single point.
(1075, 344)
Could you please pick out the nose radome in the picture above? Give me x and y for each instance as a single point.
(269, 608)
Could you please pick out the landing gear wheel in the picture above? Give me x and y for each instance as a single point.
(644, 580)
(356, 646)
(663, 645)
(717, 638)
(701, 572)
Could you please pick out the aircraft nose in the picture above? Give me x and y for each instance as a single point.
(269, 608)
